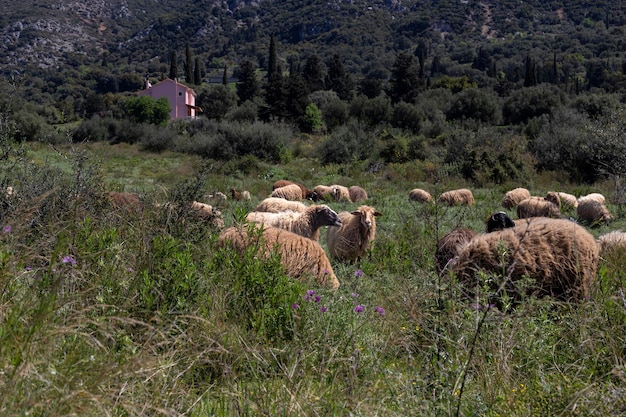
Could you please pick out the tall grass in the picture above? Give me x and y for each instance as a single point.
(105, 311)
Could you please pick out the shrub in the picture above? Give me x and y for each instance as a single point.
(530, 102)
(345, 144)
(335, 113)
(247, 112)
(216, 101)
(407, 116)
(475, 104)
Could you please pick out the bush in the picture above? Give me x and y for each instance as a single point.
(335, 113)
(216, 101)
(407, 116)
(95, 129)
(479, 105)
(347, 143)
(531, 102)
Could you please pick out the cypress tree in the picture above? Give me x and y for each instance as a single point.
(272, 66)
(173, 66)
(404, 83)
(248, 84)
(338, 80)
(197, 72)
(188, 64)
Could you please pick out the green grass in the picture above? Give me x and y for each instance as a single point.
(118, 313)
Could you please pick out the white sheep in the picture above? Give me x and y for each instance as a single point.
(355, 236)
(559, 256)
(460, 197)
(341, 193)
(306, 193)
(357, 194)
(512, 198)
(537, 207)
(302, 258)
(421, 196)
(239, 195)
(592, 211)
(567, 200)
(291, 192)
(276, 205)
(306, 223)
(612, 243)
(593, 196)
(207, 212)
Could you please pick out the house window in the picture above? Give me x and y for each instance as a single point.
(180, 93)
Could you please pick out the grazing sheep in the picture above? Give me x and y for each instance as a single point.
(593, 211)
(276, 205)
(341, 193)
(559, 256)
(512, 198)
(421, 196)
(554, 198)
(499, 221)
(357, 194)
(460, 197)
(207, 212)
(565, 200)
(239, 195)
(537, 207)
(126, 201)
(449, 245)
(301, 257)
(306, 193)
(288, 192)
(593, 196)
(307, 223)
(324, 192)
(612, 243)
(350, 241)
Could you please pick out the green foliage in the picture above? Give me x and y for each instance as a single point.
(216, 101)
(145, 109)
(312, 119)
(475, 104)
(531, 102)
(345, 144)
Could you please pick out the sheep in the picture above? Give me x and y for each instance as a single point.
(512, 198)
(460, 197)
(565, 200)
(357, 194)
(355, 236)
(217, 195)
(559, 256)
(239, 195)
(593, 211)
(448, 246)
(207, 212)
(288, 192)
(593, 196)
(301, 257)
(307, 223)
(341, 193)
(554, 198)
(499, 221)
(276, 205)
(323, 192)
(126, 201)
(421, 196)
(537, 207)
(612, 243)
(306, 193)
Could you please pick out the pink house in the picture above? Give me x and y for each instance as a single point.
(182, 98)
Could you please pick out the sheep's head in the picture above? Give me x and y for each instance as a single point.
(327, 216)
(367, 216)
(499, 221)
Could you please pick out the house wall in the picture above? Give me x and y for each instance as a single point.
(180, 97)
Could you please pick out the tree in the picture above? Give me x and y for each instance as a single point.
(338, 79)
(297, 96)
(197, 72)
(225, 75)
(404, 84)
(275, 96)
(530, 77)
(272, 66)
(173, 66)
(216, 101)
(145, 109)
(188, 64)
(312, 73)
(248, 84)
(311, 121)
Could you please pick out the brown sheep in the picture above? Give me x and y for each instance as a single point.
(421, 196)
(239, 195)
(291, 192)
(302, 258)
(568, 200)
(306, 193)
(460, 197)
(357, 194)
(512, 198)
(612, 243)
(537, 207)
(276, 205)
(307, 223)
(592, 211)
(449, 245)
(209, 213)
(324, 192)
(559, 256)
(355, 236)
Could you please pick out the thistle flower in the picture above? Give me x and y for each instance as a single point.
(69, 259)
(358, 273)
(295, 306)
(7, 229)
(380, 310)
(323, 309)
(359, 309)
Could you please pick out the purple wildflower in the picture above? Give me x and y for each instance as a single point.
(295, 306)
(28, 268)
(358, 273)
(355, 295)
(323, 309)
(359, 309)
(69, 259)
(318, 298)
(7, 229)
(380, 310)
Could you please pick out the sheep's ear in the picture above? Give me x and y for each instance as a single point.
(377, 213)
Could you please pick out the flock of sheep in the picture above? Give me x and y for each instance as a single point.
(555, 255)
(284, 223)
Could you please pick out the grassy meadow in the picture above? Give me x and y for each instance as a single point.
(113, 312)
